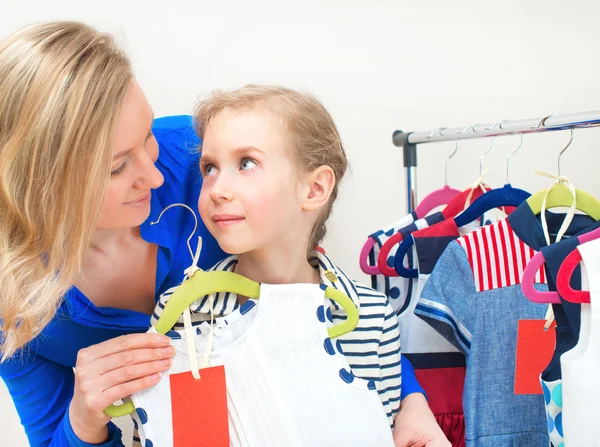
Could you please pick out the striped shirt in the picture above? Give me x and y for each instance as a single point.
(372, 349)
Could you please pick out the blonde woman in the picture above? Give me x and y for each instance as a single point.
(84, 169)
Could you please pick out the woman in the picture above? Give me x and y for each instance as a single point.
(84, 171)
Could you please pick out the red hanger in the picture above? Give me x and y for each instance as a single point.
(456, 205)
(563, 282)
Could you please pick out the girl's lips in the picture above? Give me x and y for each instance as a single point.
(223, 220)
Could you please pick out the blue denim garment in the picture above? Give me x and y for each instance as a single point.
(483, 325)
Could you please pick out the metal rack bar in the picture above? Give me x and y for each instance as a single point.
(409, 140)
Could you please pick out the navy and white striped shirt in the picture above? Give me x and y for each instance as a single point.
(372, 349)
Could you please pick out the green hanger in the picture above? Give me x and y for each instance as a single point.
(204, 283)
(560, 196)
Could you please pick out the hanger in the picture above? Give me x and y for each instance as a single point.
(554, 297)
(561, 196)
(456, 205)
(563, 281)
(505, 196)
(204, 283)
(568, 267)
(441, 196)
(200, 283)
(528, 280)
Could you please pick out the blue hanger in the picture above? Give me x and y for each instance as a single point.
(505, 196)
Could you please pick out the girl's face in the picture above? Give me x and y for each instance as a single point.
(126, 202)
(252, 193)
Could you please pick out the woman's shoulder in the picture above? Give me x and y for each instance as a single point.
(178, 144)
(178, 158)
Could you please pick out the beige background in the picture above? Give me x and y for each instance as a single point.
(378, 66)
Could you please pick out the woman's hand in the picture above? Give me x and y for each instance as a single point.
(415, 425)
(112, 370)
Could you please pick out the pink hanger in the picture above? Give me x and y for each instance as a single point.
(364, 256)
(439, 197)
(528, 279)
(563, 282)
(588, 237)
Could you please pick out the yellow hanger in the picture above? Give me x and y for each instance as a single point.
(204, 283)
(561, 196)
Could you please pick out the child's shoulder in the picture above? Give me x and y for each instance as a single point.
(366, 293)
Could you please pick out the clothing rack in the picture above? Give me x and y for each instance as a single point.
(409, 140)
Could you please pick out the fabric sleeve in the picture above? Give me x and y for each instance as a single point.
(390, 373)
(410, 385)
(448, 301)
(41, 391)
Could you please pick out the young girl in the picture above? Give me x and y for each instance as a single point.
(271, 163)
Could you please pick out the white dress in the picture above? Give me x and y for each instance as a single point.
(581, 365)
(287, 382)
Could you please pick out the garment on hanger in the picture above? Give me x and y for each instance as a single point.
(434, 358)
(372, 349)
(581, 365)
(308, 396)
(371, 248)
(397, 289)
(473, 298)
(567, 316)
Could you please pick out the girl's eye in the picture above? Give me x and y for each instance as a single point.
(209, 170)
(119, 169)
(247, 164)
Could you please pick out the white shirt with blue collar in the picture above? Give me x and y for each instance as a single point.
(372, 349)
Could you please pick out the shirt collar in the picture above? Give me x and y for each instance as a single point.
(528, 227)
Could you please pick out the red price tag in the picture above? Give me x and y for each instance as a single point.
(200, 409)
(535, 348)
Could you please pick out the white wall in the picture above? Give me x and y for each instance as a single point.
(378, 66)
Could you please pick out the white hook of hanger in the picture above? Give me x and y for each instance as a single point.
(495, 124)
(542, 122)
(195, 223)
(449, 157)
(485, 155)
(509, 157)
(438, 130)
(563, 151)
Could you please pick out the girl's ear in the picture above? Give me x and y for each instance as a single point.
(319, 186)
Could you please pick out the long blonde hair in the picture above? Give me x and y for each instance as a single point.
(61, 87)
(315, 136)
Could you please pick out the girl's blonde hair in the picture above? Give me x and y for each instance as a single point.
(61, 88)
(315, 137)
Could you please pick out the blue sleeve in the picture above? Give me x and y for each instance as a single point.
(409, 380)
(41, 391)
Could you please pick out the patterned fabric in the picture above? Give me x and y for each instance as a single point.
(498, 257)
(553, 400)
(372, 349)
(397, 288)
